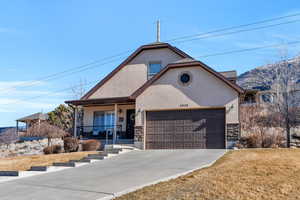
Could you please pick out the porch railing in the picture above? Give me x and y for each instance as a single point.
(99, 132)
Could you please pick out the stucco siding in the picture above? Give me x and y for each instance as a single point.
(204, 91)
(134, 75)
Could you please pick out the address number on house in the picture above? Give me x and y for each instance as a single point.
(184, 105)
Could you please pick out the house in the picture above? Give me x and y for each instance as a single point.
(162, 98)
(254, 96)
(29, 121)
(265, 97)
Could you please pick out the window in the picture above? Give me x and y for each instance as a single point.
(99, 119)
(185, 78)
(267, 98)
(103, 120)
(154, 68)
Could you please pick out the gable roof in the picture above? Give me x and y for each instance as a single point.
(186, 63)
(157, 45)
(34, 116)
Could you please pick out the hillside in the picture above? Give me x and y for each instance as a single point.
(262, 78)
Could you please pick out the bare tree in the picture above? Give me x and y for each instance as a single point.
(282, 99)
(63, 115)
(285, 95)
(44, 129)
(78, 91)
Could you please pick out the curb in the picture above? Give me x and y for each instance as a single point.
(9, 173)
(39, 168)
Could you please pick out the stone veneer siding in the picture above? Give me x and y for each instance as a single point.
(138, 134)
(233, 132)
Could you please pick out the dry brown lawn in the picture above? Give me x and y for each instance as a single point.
(272, 174)
(20, 163)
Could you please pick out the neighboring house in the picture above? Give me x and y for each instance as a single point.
(30, 120)
(161, 98)
(254, 96)
(263, 97)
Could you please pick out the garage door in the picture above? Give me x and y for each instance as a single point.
(185, 129)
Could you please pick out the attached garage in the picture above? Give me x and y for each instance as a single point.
(185, 129)
(187, 105)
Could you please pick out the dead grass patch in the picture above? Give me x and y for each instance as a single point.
(262, 174)
(20, 163)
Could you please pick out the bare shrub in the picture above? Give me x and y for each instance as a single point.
(273, 138)
(54, 149)
(47, 150)
(47, 130)
(253, 125)
(8, 136)
(260, 128)
(71, 144)
(57, 148)
(91, 145)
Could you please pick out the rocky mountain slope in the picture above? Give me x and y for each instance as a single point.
(262, 78)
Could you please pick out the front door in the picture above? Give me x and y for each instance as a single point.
(130, 121)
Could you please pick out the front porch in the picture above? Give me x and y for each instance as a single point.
(110, 120)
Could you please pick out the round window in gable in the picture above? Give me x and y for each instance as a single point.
(185, 78)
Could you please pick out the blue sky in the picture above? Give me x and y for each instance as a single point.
(40, 38)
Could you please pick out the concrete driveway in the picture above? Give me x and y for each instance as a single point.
(110, 177)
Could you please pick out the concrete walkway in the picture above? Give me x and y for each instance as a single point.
(109, 177)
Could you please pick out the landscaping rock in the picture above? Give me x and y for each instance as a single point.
(26, 148)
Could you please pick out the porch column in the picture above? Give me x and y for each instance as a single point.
(39, 121)
(75, 121)
(17, 128)
(115, 124)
